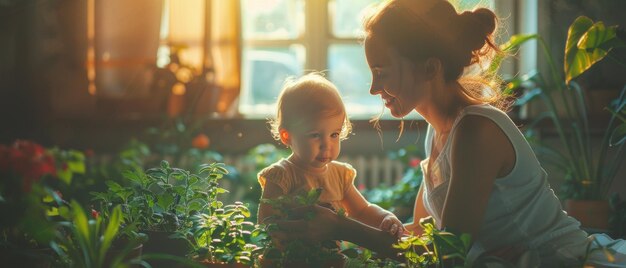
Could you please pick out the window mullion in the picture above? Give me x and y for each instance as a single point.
(316, 34)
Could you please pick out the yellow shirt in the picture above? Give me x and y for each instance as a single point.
(334, 181)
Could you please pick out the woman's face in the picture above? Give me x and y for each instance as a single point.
(400, 85)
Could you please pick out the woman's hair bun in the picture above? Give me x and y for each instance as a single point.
(477, 27)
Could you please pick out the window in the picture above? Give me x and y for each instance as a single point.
(283, 38)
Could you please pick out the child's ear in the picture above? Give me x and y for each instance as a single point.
(284, 137)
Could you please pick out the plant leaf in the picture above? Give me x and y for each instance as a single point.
(586, 45)
(111, 230)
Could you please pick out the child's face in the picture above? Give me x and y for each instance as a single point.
(317, 143)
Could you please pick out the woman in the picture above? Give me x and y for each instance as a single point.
(480, 175)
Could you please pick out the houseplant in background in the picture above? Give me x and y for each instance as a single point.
(588, 173)
(27, 201)
(84, 241)
(400, 198)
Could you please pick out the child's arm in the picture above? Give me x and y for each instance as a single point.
(370, 214)
(270, 191)
(419, 212)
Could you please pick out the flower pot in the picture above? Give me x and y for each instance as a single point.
(591, 213)
(339, 262)
(159, 242)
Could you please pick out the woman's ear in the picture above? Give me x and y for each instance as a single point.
(284, 136)
(432, 67)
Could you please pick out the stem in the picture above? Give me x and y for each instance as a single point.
(584, 159)
(558, 84)
(610, 175)
(185, 197)
(548, 101)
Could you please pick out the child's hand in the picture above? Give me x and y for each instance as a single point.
(392, 225)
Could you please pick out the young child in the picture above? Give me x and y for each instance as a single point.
(311, 120)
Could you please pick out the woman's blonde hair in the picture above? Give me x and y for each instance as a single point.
(306, 98)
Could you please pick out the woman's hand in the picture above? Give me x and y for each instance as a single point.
(391, 224)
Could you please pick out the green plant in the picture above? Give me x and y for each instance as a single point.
(433, 247)
(364, 258)
(618, 110)
(27, 199)
(297, 252)
(225, 235)
(164, 198)
(85, 242)
(589, 173)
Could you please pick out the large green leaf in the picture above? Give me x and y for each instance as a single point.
(586, 45)
(110, 231)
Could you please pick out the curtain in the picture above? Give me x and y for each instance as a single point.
(205, 34)
(225, 46)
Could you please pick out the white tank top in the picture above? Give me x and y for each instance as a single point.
(522, 209)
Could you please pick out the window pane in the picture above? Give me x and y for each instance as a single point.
(462, 5)
(349, 71)
(264, 71)
(346, 16)
(272, 19)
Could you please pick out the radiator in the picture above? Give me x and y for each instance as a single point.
(372, 170)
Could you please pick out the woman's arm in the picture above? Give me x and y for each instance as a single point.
(419, 212)
(480, 153)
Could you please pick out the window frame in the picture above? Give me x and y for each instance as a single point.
(317, 37)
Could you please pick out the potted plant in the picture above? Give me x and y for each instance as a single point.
(162, 202)
(588, 173)
(298, 253)
(84, 241)
(225, 237)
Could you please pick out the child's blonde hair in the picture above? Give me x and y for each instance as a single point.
(306, 98)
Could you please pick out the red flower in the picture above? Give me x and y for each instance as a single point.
(95, 214)
(414, 162)
(361, 187)
(27, 160)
